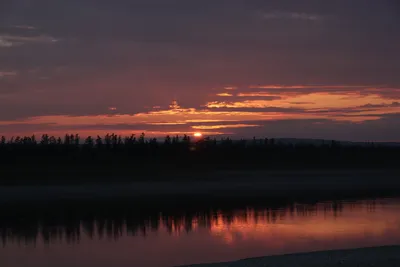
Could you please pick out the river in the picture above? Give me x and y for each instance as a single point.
(135, 233)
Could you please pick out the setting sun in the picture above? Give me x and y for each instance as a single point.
(197, 134)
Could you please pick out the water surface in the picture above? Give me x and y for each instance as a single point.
(128, 235)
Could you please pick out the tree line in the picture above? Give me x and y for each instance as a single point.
(185, 152)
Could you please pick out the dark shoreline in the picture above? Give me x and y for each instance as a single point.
(387, 256)
(229, 184)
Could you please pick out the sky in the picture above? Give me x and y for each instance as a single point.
(267, 68)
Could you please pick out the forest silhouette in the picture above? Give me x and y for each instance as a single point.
(104, 158)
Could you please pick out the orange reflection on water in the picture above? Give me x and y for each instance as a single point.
(320, 224)
(204, 235)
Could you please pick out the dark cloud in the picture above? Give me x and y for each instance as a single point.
(36, 110)
(257, 97)
(384, 129)
(255, 109)
(392, 92)
(393, 105)
(28, 127)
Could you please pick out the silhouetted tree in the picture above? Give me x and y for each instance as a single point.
(141, 139)
(77, 139)
(99, 142)
(167, 140)
(89, 142)
(67, 140)
(45, 139)
(52, 140)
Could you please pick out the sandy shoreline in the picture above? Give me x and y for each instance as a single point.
(225, 184)
(388, 256)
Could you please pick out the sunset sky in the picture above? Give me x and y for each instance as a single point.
(266, 68)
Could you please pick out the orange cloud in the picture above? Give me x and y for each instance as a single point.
(166, 123)
(223, 126)
(308, 102)
(224, 94)
(251, 94)
(309, 86)
(351, 106)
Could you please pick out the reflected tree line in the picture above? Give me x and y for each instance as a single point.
(69, 223)
(139, 156)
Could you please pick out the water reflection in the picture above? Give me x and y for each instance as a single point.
(53, 225)
(220, 233)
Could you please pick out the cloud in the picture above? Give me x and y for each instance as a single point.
(384, 91)
(17, 35)
(224, 94)
(24, 27)
(383, 105)
(239, 104)
(263, 95)
(386, 128)
(234, 118)
(5, 43)
(302, 103)
(224, 126)
(4, 74)
(305, 101)
(300, 86)
(15, 40)
(291, 15)
(167, 123)
(23, 110)
(262, 111)
(348, 105)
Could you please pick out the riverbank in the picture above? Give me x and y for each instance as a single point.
(388, 256)
(277, 184)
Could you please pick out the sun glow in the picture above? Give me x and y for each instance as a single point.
(197, 134)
